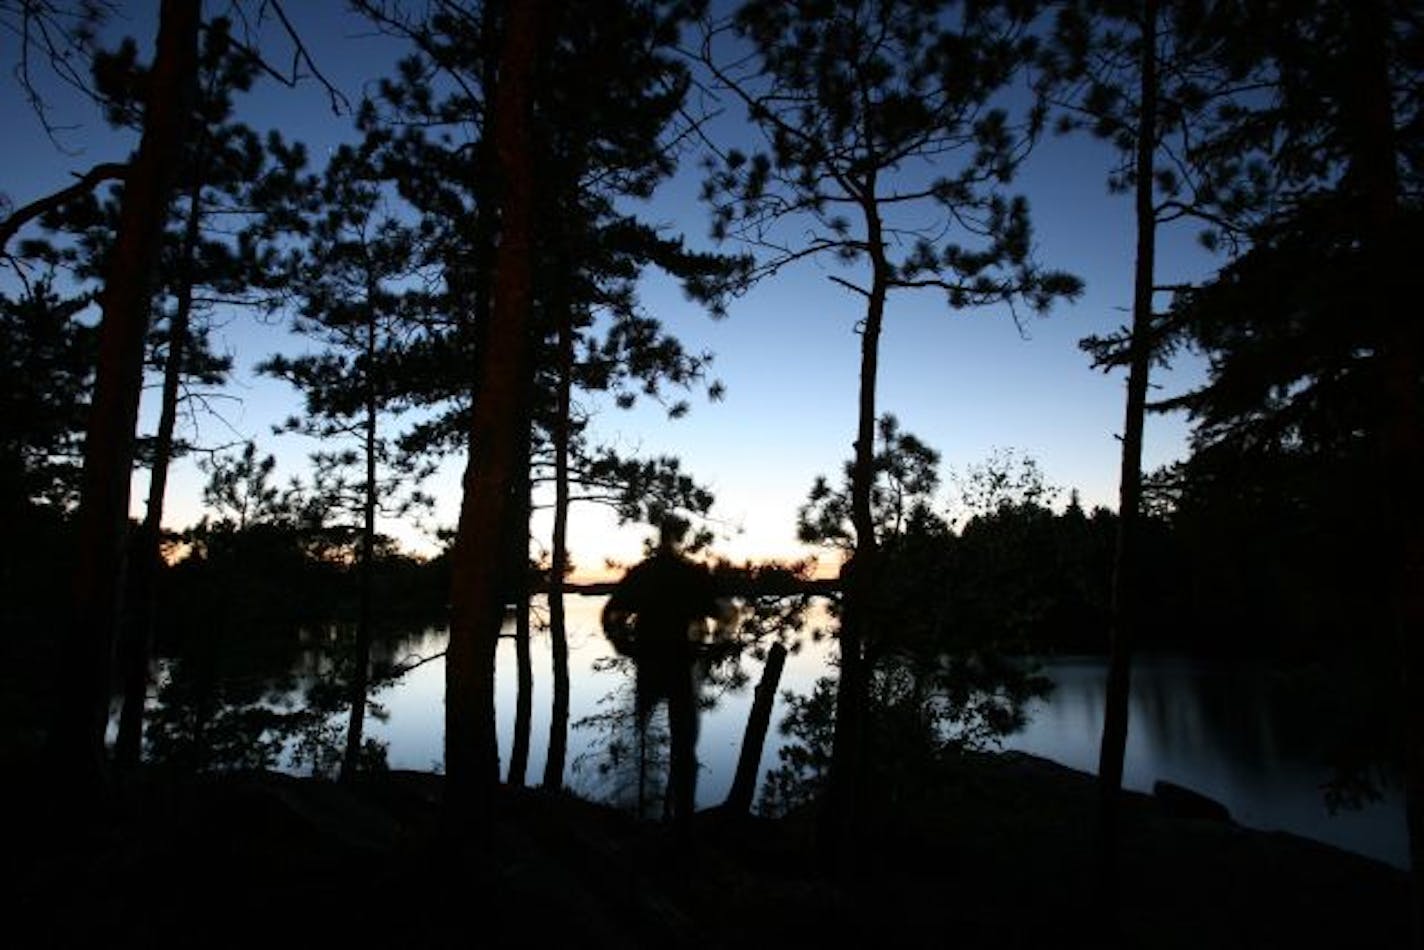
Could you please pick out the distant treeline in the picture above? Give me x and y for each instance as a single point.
(1242, 573)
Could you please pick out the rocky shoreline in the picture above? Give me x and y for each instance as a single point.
(998, 853)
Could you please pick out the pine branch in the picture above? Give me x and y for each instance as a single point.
(107, 171)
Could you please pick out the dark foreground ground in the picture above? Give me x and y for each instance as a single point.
(999, 855)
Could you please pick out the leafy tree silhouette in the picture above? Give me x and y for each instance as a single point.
(940, 677)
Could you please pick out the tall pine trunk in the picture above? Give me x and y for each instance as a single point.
(559, 563)
(81, 714)
(841, 816)
(361, 662)
(1375, 181)
(1125, 604)
(519, 586)
(488, 506)
(137, 643)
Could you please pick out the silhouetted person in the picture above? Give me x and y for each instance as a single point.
(657, 616)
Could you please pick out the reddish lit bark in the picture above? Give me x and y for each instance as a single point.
(138, 628)
(488, 505)
(77, 740)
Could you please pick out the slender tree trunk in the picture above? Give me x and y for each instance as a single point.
(1407, 470)
(739, 799)
(642, 726)
(139, 626)
(524, 691)
(361, 664)
(1375, 178)
(519, 577)
(841, 816)
(559, 564)
(1125, 593)
(488, 506)
(81, 715)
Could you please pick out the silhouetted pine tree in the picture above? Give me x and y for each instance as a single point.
(232, 187)
(361, 292)
(607, 115)
(603, 143)
(487, 509)
(217, 247)
(852, 101)
(1159, 83)
(1314, 368)
(81, 713)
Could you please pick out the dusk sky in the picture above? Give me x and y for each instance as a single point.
(965, 382)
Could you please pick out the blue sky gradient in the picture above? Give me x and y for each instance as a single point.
(965, 382)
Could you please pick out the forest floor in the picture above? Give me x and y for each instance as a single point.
(997, 854)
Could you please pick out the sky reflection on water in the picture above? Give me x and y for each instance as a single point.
(1218, 731)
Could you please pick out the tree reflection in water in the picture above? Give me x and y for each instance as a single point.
(1252, 740)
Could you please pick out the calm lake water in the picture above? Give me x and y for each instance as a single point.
(1221, 732)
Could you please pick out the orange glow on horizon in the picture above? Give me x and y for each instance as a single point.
(826, 565)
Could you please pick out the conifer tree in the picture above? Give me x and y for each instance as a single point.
(217, 250)
(487, 510)
(77, 739)
(358, 283)
(600, 143)
(234, 188)
(1314, 369)
(875, 118)
(1164, 86)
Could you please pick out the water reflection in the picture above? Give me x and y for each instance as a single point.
(1225, 733)
(627, 762)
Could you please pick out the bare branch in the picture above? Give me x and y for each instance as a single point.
(108, 171)
(855, 288)
(1171, 210)
(300, 56)
(64, 38)
(407, 665)
(396, 24)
